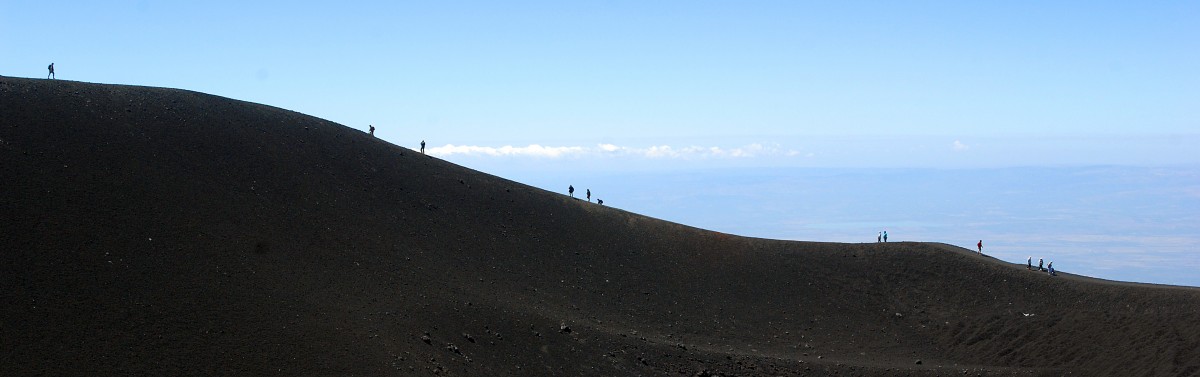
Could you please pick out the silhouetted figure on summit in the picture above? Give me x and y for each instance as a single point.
(1029, 263)
(589, 194)
(1040, 265)
(51, 68)
(599, 201)
(980, 246)
(885, 236)
(422, 146)
(372, 129)
(879, 237)
(571, 190)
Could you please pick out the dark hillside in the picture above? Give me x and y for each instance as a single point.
(151, 231)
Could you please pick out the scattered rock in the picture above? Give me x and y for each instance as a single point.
(453, 348)
(564, 329)
(425, 338)
(918, 361)
(469, 338)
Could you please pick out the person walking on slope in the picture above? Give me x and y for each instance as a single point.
(885, 236)
(1029, 263)
(1040, 265)
(51, 68)
(879, 237)
(422, 146)
(571, 190)
(372, 129)
(1050, 268)
(980, 246)
(589, 195)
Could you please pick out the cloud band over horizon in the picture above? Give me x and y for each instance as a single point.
(655, 151)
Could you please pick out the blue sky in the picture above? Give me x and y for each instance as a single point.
(554, 92)
(642, 74)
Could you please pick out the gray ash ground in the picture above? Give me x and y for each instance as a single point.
(167, 232)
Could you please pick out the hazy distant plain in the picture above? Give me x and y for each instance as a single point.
(1121, 223)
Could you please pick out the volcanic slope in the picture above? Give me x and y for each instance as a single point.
(151, 231)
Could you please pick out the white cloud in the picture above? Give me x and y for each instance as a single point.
(959, 146)
(507, 150)
(609, 148)
(654, 151)
(660, 151)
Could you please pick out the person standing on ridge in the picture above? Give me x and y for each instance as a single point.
(51, 68)
(879, 237)
(422, 146)
(1029, 263)
(885, 236)
(980, 246)
(571, 190)
(589, 194)
(372, 129)
(1040, 265)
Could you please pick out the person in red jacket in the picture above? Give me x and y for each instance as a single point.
(980, 246)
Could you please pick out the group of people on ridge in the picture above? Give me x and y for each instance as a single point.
(1048, 269)
(571, 191)
(370, 130)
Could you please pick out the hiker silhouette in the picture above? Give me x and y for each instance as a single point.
(422, 146)
(980, 246)
(372, 129)
(571, 190)
(589, 194)
(51, 74)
